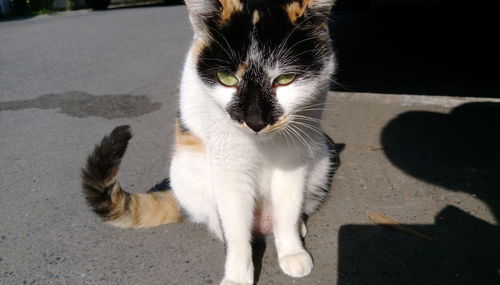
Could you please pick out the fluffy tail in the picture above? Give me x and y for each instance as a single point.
(108, 200)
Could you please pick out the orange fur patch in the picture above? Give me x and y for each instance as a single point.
(146, 210)
(241, 70)
(297, 9)
(280, 123)
(135, 210)
(255, 17)
(118, 202)
(198, 47)
(229, 7)
(186, 140)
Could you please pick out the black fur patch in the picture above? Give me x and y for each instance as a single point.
(102, 165)
(335, 149)
(164, 185)
(182, 126)
(324, 190)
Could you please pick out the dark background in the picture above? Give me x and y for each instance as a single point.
(424, 47)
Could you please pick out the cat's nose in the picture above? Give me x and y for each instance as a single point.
(256, 125)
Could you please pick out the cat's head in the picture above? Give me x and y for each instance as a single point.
(259, 60)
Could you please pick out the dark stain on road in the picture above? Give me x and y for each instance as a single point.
(81, 105)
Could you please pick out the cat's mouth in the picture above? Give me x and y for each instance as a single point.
(278, 125)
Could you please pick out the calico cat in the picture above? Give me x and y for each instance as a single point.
(249, 154)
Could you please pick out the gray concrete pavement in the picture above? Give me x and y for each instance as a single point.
(65, 81)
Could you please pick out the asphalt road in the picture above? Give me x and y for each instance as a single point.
(67, 80)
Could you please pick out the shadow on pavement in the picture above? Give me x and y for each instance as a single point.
(15, 18)
(259, 246)
(442, 48)
(458, 151)
(464, 251)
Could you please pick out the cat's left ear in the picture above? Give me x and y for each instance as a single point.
(202, 12)
(301, 9)
(199, 12)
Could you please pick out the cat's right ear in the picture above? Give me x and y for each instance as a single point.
(200, 11)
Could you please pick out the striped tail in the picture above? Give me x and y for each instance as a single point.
(114, 205)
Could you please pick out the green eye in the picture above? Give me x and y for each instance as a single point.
(285, 79)
(227, 78)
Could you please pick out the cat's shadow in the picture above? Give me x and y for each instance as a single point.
(459, 152)
(258, 249)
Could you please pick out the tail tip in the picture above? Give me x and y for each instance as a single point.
(121, 134)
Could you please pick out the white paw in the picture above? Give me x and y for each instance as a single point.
(238, 272)
(227, 282)
(296, 265)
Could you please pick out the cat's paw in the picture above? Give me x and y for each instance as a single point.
(296, 265)
(228, 282)
(238, 272)
(238, 279)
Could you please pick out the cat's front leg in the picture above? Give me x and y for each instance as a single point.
(287, 194)
(235, 205)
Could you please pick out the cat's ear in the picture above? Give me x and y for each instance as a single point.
(218, 11)
(300, 9)
(199, 12)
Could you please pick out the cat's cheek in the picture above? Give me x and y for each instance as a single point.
(222, 96)
(291, 97)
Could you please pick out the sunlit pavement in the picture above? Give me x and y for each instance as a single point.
(65, 81)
